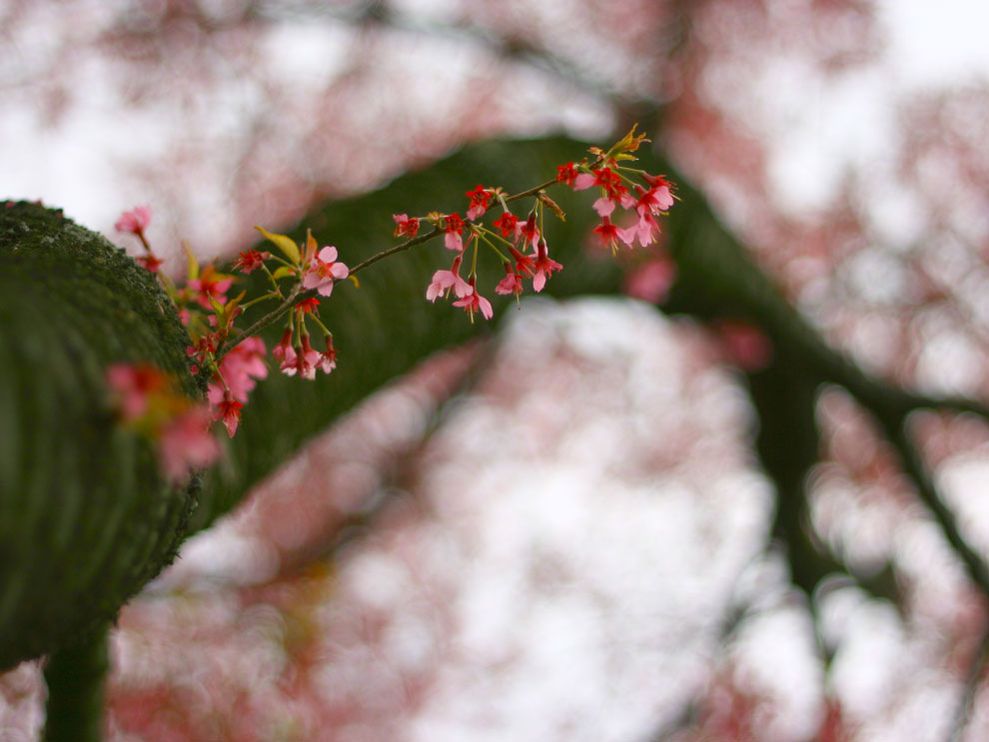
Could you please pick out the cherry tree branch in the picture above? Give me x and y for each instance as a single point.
(298, 294)
(394, 250)
(916, 470)
(75, 676)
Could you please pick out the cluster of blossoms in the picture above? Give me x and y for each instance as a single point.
(519, 242)
(233, 360)
(148, 402)
(299, 275)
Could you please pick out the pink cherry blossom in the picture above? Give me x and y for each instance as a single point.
(301, 361)
(511, 283)
(150, 262)
(453, 239)
(287, 358)
(239, 368)
(307, 306)
(474, 302)
(528, 230)
(544, 266)
(443, 281)
(323, 271)
(651, 281)
(210, 284)
(604, 206)
(284, 346)
(185, 444)
(566, 174)
(328, 359)
(133, 384)
(656, 200)
(583, 181)
(662, 191)
(134, 221)
(179, 429)
(405, 225)
(524, 264)
(479, 200)
(250, 260)
(645, 230)
(506, 223)
(607, 233)
(227, 409)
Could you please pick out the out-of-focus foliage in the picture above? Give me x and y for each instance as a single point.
(860, 191)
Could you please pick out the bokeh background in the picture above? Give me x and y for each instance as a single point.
(564, 534)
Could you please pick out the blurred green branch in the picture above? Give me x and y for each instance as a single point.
(75, 676)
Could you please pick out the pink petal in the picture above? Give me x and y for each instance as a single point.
(485, 305)
(328, 254)
(339, 270)
(143, 215)
(583, 181)
(214, 393)
(453, 241)
(646, 232)
(604, 206)
(539, 281)
(186, 444)
(664, 198)
(253, 345)
(652, 281)
(628, 235)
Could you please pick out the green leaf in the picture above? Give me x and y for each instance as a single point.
(192, 264)
(283, 271)
(284, 243)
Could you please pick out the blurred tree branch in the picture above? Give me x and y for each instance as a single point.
(75, 676)
(716, 279)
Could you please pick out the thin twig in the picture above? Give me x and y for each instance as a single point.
(394, 250)
(913, 466)
(298, 295)
(541, 187)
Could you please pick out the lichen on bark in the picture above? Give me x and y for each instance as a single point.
(85, 517)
